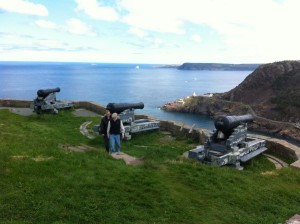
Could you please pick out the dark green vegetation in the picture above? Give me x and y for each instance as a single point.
(272, 91)
(218, 66)
(40, 182)
(287, 91)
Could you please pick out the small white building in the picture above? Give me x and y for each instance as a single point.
(181, 101)
(207, 94)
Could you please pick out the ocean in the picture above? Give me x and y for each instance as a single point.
(107, 82)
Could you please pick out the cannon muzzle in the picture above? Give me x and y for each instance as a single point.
(120, 107)
(45, 92)
(225, 123)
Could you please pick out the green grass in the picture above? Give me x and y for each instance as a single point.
(92, 187)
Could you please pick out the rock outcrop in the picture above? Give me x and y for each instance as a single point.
(272, 90)
(271, 93)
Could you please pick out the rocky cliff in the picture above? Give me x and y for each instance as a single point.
(272, 90)
(271, 93)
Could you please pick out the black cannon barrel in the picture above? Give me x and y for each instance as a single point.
(120, 107)
(225, 123)
(46, 92)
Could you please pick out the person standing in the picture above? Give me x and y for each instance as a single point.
(103, 129)
(114, 128)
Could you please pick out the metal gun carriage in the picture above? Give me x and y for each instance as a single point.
(127, 116)
(46, 102)
(229, 143)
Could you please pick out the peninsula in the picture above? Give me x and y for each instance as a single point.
(218, 66)
(270, 93)
(211, 66)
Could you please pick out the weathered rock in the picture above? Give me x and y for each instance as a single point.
(271, 94)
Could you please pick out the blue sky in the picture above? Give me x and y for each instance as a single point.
(150, 31)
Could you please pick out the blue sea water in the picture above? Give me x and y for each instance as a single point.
(104, 83)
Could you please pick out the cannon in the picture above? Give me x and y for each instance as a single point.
(46, 102)
(229, 143)
(226, 123)
(120, 107)
(127, 116)
(43, 93)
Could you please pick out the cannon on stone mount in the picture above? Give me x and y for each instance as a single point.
(127, 116)
(46, 102)
(229, 143)
(120, 107)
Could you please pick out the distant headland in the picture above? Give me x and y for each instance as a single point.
(212, 66)
(218, 66)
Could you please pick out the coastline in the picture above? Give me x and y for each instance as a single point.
(214, 107)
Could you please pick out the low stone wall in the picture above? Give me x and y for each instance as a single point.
(281, 150)
(15, 103)
(178, 130)
(92, 106)
(280, 147)
(198, 134)
(276, 146)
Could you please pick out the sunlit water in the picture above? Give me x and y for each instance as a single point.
(104, 83)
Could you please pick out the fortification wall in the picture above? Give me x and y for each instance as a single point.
(276, 146)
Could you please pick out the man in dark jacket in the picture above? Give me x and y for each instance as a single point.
(114, 129)
(103, 129)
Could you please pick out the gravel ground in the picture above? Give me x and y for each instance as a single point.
(20, 111)
(85, 113)
(29, 111)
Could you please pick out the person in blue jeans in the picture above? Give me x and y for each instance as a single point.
(114, 128)
(103, 129)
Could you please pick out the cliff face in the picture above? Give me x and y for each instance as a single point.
(272, 90)
(271, 93)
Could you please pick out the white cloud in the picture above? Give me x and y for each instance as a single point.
(153, 15)
(74, 26)
(23, 7)
(138, 32)
(45, 24)
(249, 27)
(96, 11)
(78, 27)
(196, 38)
(50, 44)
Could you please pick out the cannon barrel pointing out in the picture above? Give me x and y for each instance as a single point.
(46, 101)
(226, 123)
(127, 116)
(229, 143)
(120, 107)
(45, 92)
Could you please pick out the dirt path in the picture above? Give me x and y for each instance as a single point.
(129, 160)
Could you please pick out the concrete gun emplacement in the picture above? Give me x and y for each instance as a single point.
(46, 102)
(229, 143)
(127, 116)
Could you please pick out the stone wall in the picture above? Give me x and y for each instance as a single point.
(92, 106)
(199, 135)
(15, 103)
(277, 147)
(178, 130)
(281, 150)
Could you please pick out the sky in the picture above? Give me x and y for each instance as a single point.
(150, 31)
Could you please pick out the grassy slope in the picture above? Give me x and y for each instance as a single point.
(72, 187)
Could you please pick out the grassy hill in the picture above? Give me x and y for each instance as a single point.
(272, 90)
(42, 182)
